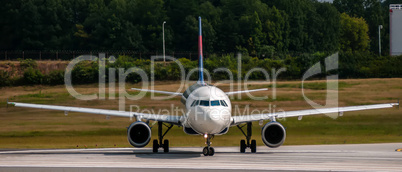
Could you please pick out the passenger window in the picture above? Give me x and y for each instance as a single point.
(204, 103)
(215, 103)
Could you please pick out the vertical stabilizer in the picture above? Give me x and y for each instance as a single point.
(200, 56)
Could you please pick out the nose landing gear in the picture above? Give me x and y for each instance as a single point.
(208, 150)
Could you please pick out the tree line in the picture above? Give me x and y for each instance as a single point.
(271, 34)
(249, 26)
(351, 65)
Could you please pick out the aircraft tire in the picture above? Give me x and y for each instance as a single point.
(205, 151)
(253, 146)
(155, 146)
(211, 151)
(242, 146)
(166, 146)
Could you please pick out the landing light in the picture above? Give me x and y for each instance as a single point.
(205, 136)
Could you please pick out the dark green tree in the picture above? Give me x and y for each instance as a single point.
(252, 32)
(374, 17)
(354, 8)
(354, 34)
(277, 29)
(327, 39)
(11, 31)
(148, 17)
(29, 27)
(179, 12)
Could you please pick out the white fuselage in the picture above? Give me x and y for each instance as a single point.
(208, 110)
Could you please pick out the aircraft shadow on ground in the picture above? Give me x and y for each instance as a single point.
(183, 154)
(140, 154)
(176, 154)
(170, 155)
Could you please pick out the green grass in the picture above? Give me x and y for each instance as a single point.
(34, 128)
(90, 133)
(357, 128)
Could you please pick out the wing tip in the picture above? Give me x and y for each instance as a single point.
(10, 103)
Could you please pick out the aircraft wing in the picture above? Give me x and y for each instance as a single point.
(161, 92)
(155, 117)
(246, 91)
(300, 113)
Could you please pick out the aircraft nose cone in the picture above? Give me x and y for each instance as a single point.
(213, 120)
(219, 116)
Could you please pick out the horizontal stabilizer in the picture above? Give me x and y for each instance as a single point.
(245, 91)
(156, 91)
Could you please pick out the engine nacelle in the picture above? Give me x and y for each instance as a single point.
(273, 134)
(139, 134)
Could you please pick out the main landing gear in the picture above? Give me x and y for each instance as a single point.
(165, 144)
(243, 144)
(208, 150)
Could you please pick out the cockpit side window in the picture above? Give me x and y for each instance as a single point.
(215, 103)
(224, 103)
(195, 103)
(192, 104)
(204, 103)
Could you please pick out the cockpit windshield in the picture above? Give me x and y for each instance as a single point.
(215, 103)
(204, 103)
(209, 103)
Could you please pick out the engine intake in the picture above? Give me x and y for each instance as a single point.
(273, 134)
(139, 134)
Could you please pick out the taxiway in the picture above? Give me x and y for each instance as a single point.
(358, 157)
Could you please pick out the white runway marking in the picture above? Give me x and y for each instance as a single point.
(361, 157)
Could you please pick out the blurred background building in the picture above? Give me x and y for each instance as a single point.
(395, 18)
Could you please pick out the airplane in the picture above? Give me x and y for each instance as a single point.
(208, 113)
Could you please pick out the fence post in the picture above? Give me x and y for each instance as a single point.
(57, 55)
(40, 55)
(23, 55)
(5, 55)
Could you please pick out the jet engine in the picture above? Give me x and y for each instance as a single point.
(139, 134)
(273, 134)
